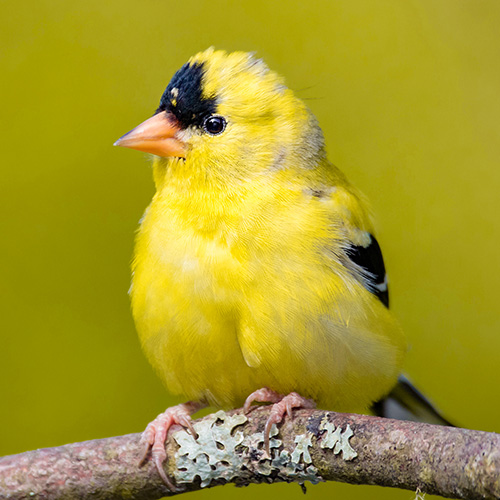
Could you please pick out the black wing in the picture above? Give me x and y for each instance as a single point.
(371, 260)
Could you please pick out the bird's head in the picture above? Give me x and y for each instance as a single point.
(229, 112)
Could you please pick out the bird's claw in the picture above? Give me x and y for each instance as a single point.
(282, 405)
(158, 461)
(146, 446)
(263, 395)
(155, 435)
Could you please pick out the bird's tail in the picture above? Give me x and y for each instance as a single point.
(406, 402)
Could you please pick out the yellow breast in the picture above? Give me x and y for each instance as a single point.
(236, 291)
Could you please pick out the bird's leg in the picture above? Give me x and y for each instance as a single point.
(155, 435)
(282, 404)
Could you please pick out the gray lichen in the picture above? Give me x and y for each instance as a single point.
(221, 451)
(337, 440)
(212, 455)
(303, 442)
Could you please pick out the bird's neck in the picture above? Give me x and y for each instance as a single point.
(218, 204)
(203, 204)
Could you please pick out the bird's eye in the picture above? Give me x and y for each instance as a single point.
(214, 125)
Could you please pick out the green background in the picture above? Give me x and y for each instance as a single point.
(407, 93)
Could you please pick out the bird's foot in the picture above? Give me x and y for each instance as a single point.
(155, 435)
(282, 405)
(263, 395)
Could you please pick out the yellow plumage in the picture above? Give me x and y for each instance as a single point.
(240, 276)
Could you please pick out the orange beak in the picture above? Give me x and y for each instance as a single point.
(156, 135)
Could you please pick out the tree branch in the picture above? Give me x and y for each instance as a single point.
(314, 446)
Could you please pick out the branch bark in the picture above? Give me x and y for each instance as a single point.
(314, 445)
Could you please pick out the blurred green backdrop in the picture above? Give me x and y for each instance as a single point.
(408, 96)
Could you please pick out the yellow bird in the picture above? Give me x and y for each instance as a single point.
(256, 275)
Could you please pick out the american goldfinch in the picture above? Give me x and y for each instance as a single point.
(257, 276)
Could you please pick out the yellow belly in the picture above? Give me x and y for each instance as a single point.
(220, 318)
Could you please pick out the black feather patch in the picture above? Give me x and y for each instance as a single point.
(370, 258)
(183, 97)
